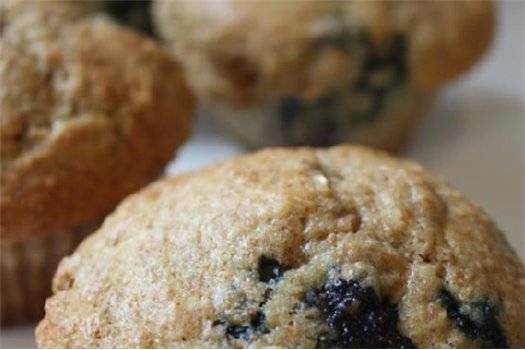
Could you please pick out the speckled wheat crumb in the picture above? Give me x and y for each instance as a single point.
(299, 248)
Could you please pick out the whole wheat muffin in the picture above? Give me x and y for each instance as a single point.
(89, 113)
(344, 247)
(322, 72)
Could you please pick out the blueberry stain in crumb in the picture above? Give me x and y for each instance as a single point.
(356, 317)
(317, 116)
(256, 325)
(382, 70)
(136, 13)
(269, 269)
(477, 320)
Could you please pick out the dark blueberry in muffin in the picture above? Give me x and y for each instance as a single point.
(477, 320)
(135, 13)
(356, 317)
(257, 325)
(314, 121)
(269, 269)
(382, 70)
(237, 331)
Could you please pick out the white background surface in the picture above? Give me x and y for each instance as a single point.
(474, 137)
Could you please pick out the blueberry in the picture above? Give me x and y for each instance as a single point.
(236, 331)
(388, 63)
(133, 13)
(317, 119)
(356, 317)
(257, 325)
(477, 320)
(269, 269)
(382, 70)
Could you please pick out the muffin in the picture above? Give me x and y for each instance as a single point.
(322, 72)
(297, 248)
(135, 14)
(48, 12)
(89, 113)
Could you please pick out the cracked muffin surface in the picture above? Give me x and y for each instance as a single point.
(297, 248)
(88, 116)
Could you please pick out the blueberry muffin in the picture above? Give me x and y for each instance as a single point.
(298, 248)
(322, 72)
(90, 113)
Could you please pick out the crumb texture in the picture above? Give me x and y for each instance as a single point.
(292, 248)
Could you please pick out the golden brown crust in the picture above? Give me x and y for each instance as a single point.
(178, 260)
(90, 113)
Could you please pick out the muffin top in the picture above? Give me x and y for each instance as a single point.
(297, 248)
(48, 13)
(90, 112)
(252, 51)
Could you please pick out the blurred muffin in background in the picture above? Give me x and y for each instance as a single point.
(322, 72)
(90, 112)
(135, 14)
(16, 13)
